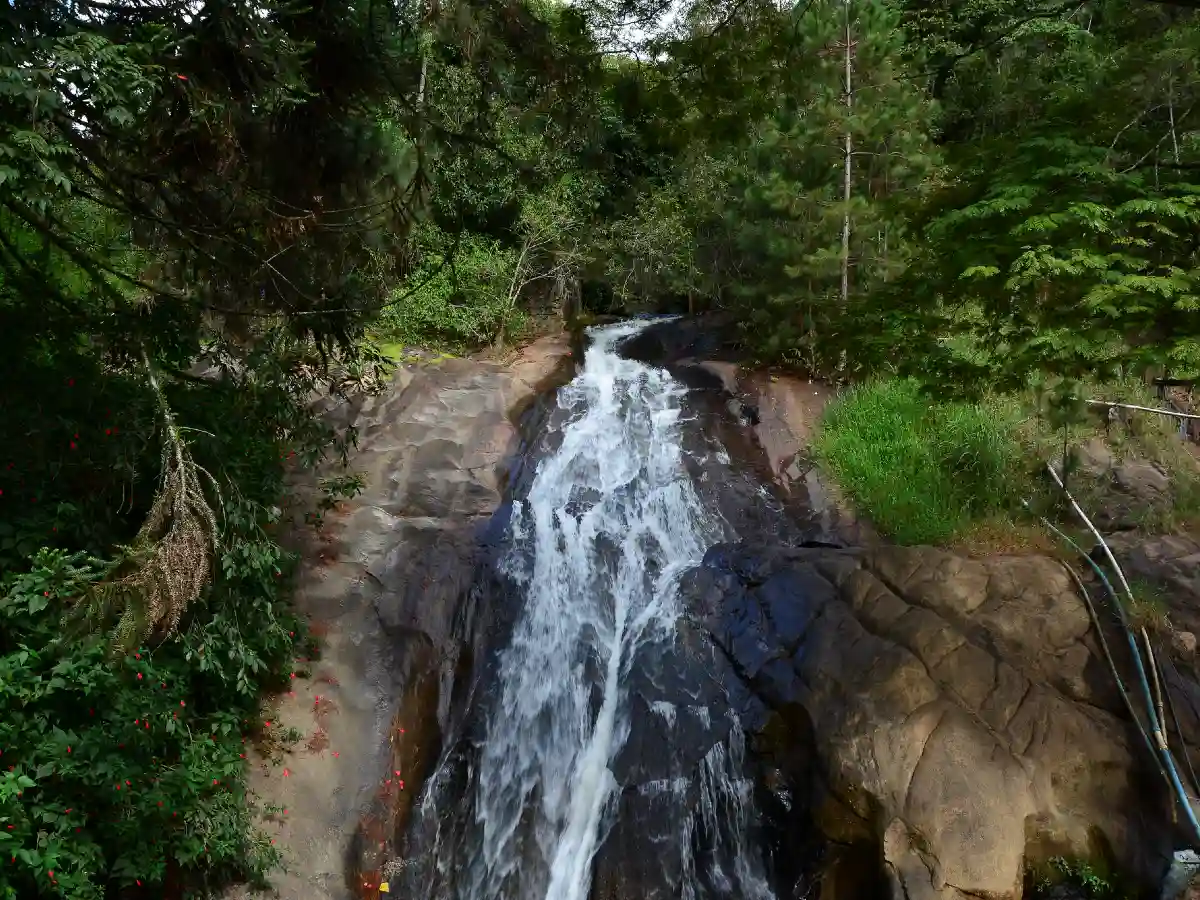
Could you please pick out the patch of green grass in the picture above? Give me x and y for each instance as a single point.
(1149, 608)
(923, 471)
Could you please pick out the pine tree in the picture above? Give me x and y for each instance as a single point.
(820, 219)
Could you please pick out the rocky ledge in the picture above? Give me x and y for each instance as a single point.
(383, 583)
(954, 717)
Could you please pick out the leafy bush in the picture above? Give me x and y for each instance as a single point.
(129, 772)
(457, 297)
(123, 772)
(1077, 878)
(923, 471)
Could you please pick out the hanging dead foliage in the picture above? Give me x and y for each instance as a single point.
(172, 557)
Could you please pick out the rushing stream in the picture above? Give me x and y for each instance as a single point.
(542, 775)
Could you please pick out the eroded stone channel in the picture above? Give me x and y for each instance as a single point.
(784, 717)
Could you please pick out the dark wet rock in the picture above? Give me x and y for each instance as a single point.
(711, 337)
(766, 420)
(954, 712)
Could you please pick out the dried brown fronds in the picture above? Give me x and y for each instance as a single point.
(172, 556)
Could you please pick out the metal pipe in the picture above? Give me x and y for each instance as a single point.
(1161, 412)
(1108, 655)
(1156, 726)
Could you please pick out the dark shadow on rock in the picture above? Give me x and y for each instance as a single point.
(709, 337)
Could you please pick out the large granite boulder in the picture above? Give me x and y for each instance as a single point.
(956, 712)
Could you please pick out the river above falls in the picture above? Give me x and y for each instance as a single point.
(600, 747)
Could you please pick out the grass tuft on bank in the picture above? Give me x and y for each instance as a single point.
(923, 471)
(926, 471)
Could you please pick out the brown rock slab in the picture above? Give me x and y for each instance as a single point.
(959, 706)
(383, 580)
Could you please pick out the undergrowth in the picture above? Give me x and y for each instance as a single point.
(1076, 879)
(922, 471)
(928, 471)
(122, 772)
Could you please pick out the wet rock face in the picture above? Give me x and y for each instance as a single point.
(391, 589)
(710, 337)
(765, 421)
(960, 715)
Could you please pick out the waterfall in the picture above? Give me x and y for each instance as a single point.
(610, 521)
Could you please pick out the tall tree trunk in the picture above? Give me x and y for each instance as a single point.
(848, 171)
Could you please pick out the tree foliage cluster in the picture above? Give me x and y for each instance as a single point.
(203, 208)
(847, 177)
(876, 184)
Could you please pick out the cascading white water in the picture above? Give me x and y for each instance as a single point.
(613, 519)
(610, 522)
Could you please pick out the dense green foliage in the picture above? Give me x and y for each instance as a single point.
(202, 209)
(209, 211)
(849, 178)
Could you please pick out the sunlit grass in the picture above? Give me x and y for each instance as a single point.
(923, 471)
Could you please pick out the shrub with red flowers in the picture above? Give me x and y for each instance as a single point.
(128, 773)
(124, 776)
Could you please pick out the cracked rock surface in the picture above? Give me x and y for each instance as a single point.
(958, 714)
